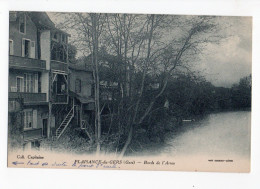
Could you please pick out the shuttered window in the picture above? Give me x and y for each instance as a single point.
(28, 119)
(26, 48)
(30, 83)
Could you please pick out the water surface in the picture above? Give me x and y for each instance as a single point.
(225, 134)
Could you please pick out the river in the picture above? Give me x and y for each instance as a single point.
(225, 134)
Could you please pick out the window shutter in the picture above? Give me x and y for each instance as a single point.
(32, 49)
(11, 47)
(36, 83)
(23, 45)
(34, 119)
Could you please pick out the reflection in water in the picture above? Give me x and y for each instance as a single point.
(219, 134)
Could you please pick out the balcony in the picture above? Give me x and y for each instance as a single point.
(32, 134)
(29, 98)
(60, 99)
(59, 66)
(18, 62)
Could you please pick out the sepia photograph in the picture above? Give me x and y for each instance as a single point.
(129, 91)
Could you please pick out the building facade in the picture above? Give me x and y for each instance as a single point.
(39, 102)
(81, 89)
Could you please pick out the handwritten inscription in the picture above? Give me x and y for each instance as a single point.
(95, 164)
(17, 163)
(33, 163)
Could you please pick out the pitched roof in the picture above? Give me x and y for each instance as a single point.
(42, 20)
(82, 99)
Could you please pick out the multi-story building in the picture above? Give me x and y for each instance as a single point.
(80, 88)
(39, 101)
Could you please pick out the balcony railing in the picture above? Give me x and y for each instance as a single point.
(32, 134)
(28, 97)
(59, 66)
(25, 63)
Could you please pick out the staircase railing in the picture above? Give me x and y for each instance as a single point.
(64, 124)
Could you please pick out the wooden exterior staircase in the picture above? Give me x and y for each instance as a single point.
(64, 124)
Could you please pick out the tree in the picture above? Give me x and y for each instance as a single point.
(136, 48)
(154, 55)
(72, 51)
(241, 93)
(88, 28)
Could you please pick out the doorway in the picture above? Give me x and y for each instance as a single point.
(44, 127)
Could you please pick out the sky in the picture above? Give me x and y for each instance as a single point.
(226, 63)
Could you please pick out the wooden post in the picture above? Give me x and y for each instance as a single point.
(49, 121)
(67, 61)
(50, 106)
(80, 116)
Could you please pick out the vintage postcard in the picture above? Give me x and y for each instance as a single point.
(129, 91)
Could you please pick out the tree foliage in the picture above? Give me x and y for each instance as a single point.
(136, 56)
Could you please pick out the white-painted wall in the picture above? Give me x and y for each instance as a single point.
(45, 84)
(46, 55)
(46, 47)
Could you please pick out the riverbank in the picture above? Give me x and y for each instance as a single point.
(223, 132)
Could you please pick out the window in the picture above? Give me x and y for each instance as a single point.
(28, 119)
(78, 86)
(26, 48)
(39, 83)
(62, 55)
(30, 83)
(28, 79)
(59, 84)
(22, 22)
(11, 47)
(19, 84)
(58, 52)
